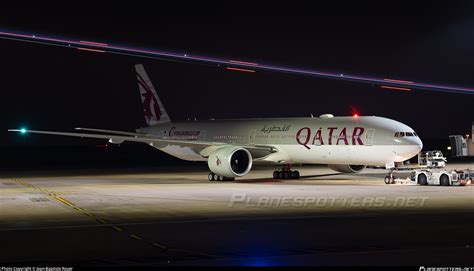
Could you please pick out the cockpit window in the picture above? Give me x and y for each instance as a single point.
(402, 134)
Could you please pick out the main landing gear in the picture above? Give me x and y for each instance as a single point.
(216, 178)
(286, 173)
(390, 178)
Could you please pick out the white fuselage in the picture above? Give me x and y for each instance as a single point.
(335, 140)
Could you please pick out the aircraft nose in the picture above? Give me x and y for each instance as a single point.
(419, 144)
(416, 145)
(411, 147)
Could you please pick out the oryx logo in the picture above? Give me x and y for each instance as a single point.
(151, 108)
(218, 161)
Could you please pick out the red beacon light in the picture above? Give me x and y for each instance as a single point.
(355, 115)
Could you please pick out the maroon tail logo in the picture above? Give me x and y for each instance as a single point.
(149, 102)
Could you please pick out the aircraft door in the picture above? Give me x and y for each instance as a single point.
(252, 137)
(369, 137)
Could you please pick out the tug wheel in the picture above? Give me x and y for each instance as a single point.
(444, 180)
(422, 179)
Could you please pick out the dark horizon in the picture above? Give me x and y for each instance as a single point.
(52, 88)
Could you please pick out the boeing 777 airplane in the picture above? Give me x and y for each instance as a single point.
(230, 147)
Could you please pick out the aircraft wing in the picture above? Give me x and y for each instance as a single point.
(202, 147)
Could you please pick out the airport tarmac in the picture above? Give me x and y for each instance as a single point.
(171, 217)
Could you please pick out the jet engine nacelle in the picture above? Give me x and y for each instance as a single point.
(115, 141)
(347, 168)
(230, 162)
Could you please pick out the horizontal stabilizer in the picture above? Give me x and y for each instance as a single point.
(110, 131)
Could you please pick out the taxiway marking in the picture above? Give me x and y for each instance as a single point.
(84, 211)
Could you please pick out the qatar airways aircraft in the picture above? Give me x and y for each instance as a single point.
(230, 147)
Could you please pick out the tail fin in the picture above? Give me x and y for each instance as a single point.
(153, 109)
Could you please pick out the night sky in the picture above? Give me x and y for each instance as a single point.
(52, 88)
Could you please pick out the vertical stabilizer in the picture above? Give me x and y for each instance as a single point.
(153, 109)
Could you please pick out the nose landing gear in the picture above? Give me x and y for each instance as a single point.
(286, 173)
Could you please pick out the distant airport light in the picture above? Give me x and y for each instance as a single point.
(396, 88)
(243, 62)
(398, 81)
(91, 50)
(449, 148)
(93, 43)
(238, 69)
(102, 146)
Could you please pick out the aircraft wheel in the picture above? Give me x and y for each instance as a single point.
(291, 175)
(281, 175)
(294, 175)
(210, 177)
(216, 178)
(422, 179)
(444, 180)
(297, 173)
(387, 180)
(276, 174)
(286, 175)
